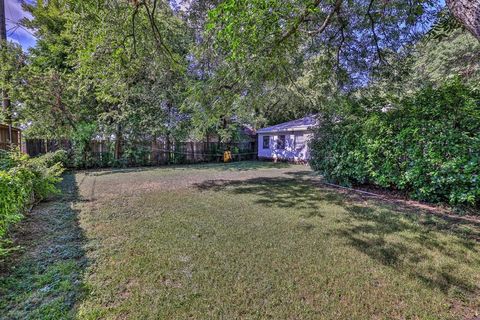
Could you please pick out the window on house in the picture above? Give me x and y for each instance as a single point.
(299, 140)
(281, 142)
(266, 142)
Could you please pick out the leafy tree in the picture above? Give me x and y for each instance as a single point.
(119, 64)
(11, 69)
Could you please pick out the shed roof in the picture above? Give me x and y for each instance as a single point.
(295, 125)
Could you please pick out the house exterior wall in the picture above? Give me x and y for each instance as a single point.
(292, 152)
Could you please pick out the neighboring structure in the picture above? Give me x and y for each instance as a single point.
(4, 137)
(287, 141)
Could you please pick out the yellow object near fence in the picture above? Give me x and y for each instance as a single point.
(227, 156)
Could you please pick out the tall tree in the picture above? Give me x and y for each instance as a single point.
(5, 97)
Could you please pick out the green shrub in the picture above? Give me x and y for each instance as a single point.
(59, 156)
(16, 189)
(428, 145)
(23, 181)
(47, 175)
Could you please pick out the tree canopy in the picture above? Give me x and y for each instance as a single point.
(182, 69)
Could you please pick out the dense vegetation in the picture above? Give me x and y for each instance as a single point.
(428, 144)
(24, 181)
(172, 71)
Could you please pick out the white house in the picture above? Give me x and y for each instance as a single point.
(287, 141)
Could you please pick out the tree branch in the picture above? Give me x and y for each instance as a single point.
(467, 12)
(156, 31)
(133, 31)
(299, 21)
(374, 33)
(326, 22)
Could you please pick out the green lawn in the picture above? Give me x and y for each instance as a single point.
(238, 241)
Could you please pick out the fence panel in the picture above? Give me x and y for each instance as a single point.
(146, 153)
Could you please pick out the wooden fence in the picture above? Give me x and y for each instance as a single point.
(145, 153)
(37, 147)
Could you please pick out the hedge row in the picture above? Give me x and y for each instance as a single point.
(23, 181)
(427, 145)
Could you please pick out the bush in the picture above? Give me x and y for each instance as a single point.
(53, 158)
(22, 182)
(428, 145)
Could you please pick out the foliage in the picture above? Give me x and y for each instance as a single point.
(426, 145)
(58, 157)
(457, 54)
(429, 61)
(355, 34)
(119, 65)
(12, 62)
(82, 157)
(24, 180)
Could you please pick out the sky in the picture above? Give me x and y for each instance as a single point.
(16, 33)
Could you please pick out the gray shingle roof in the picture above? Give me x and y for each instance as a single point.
(299, 124)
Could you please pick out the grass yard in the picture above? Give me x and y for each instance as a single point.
(238, 241)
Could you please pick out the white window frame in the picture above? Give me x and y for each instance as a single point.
(266, 138)
(297, 145)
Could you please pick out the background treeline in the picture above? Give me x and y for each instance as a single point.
(119, 71)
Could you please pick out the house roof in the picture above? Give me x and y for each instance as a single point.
(294, 125)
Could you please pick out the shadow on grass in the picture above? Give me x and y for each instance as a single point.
(233, 166)
(430, 248)
(45, 280)
(272, 192)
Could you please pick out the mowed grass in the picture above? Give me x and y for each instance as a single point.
(265, 241)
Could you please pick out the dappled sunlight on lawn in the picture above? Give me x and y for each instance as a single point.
(264, 239)
(435, 250)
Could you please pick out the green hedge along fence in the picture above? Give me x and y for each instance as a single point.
(24, 181)
(426, 145)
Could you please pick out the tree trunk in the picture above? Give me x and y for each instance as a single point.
(118, 143)
(207, 154)
(168, 146)
(154, 152)
(467, 12)
(168, 135)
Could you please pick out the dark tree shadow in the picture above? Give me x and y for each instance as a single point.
(396, 236)
(271, 192)
(404, 239)
(45, 280)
